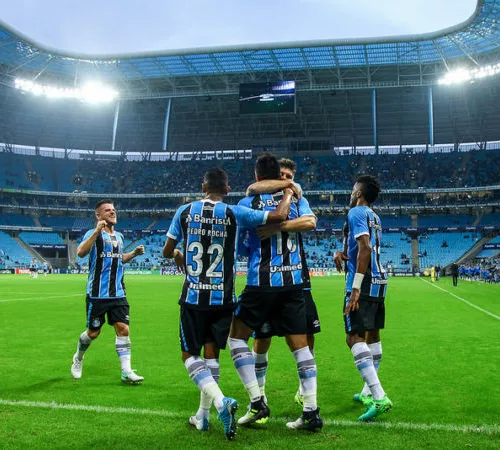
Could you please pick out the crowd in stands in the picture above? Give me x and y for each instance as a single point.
(401, 171)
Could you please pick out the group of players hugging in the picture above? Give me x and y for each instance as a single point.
(205, 238)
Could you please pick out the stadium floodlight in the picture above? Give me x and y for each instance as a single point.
(463, 75)
(91, 92)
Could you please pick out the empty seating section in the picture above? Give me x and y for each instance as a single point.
(444, 248)
(490, 252)
(396, 251)
(84, 223)
(135, 223)
(490, 219)
(11, 253)
(395, 221)
(162, 224)
(57, 221)
(320, 248)
(37, 237)
(152, 257)
(454, 220)
(16, 220)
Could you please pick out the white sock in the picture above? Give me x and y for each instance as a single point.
(205, 401)
(83, 344)
(364, 363)
(376, 351)
(306, 368)
(201, 376)
(300, 384)
(123, 349)
(245, 365)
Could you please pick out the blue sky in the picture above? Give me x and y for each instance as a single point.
(127, 26)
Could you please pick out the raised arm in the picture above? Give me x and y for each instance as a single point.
(139, 250)
(86, 245)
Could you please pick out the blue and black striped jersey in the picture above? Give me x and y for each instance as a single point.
(275, 262)
(209, 231)
(105, 266)
(361, 220)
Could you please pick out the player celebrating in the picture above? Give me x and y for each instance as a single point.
(366, 285)
(262, 340)
(208, 229)
(106, 289)
(274, 294)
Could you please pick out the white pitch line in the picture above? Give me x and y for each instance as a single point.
(463, 300)
(39, 298)
(479, 429)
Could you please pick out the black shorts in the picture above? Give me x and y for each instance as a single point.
(370, 316)
(285, 310)
(32, 269)
(200, 327)
(117, 310)
(268, 330)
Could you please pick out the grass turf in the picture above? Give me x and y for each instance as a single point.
(439, 367)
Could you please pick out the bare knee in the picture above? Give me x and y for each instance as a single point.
(261, 346)
(296, 341)
(121, 329)
(239, 330)
(211, 351)
(352, 339)
(93, 334)
(372, 336)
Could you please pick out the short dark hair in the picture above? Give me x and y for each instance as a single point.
(267, 167)
(288, 164)
(102, 202)
(370, 187)
(216, 180)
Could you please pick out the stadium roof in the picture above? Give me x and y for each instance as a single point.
(474, 41)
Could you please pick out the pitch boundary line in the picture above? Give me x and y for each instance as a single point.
(463, 300)
(479, 429)
(38, 298)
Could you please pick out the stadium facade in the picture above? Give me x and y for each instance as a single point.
(353, 98)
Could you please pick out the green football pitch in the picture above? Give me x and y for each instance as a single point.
(440, 367)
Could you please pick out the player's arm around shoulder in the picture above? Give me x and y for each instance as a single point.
(281, 212)
(89, 240)
(271, 186)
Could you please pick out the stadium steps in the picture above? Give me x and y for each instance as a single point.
(472, 252)
(152, 224)
(132, 245)
(37, 221)
(477, 220)
(30, 250)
